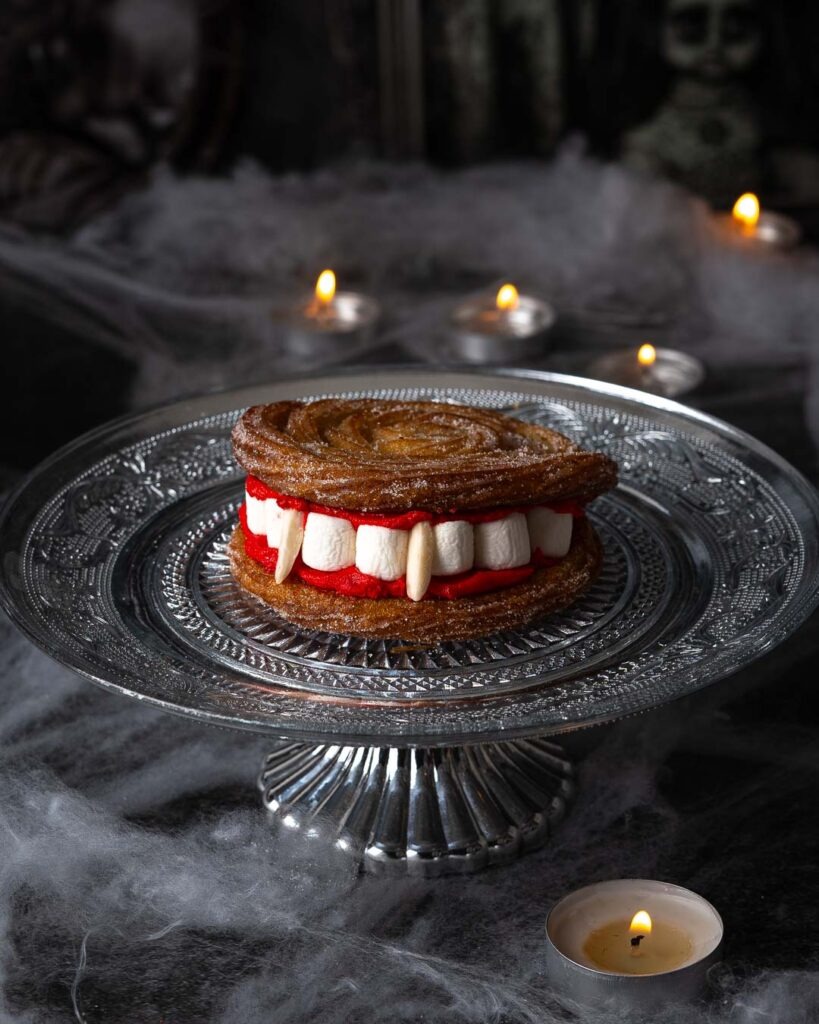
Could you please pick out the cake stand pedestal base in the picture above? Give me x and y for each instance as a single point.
(421, 811)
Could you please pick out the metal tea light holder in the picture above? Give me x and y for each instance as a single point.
(574, 918)
(328, 320)
(659, 371)
(506, 327)
(750, 225)
(417, 760)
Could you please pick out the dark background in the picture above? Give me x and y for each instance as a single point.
(105, 89)
(97, 97)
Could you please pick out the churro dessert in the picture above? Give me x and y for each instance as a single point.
(419, 521)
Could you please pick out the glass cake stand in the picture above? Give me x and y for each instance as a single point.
(425, 760)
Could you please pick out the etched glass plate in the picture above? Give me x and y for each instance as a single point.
(114, 562)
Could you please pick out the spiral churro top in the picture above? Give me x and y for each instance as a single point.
(383, 456)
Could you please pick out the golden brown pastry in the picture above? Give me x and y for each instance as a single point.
(375, 455)
(422, 521)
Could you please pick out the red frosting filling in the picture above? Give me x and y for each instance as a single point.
(353, 583)
(403, 520)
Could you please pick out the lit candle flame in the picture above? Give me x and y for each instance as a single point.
(508, 297)
(646, 355)
(746, 210)
(640, 923)
(325, 287)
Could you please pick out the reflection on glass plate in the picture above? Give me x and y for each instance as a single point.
(114, 561)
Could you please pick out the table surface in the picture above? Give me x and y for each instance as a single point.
(144, 884)
(141, 882)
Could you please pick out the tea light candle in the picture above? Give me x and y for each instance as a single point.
(749, 223)
(501, 328)
(632, 942)
(327, 318)
(660, 371)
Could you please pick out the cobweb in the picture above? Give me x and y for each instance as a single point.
(141, 882)
(139, 879)
(188, 274)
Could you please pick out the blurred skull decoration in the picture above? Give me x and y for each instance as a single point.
(706, 134)
(711, 39)
(93, 92)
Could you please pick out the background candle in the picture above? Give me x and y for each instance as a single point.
(662, 371)
(504, 327)
(749, 222)
(581, 928)
(328, 318)
(639, 946)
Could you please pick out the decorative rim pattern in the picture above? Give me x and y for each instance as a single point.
(189, 584)
(139, 509)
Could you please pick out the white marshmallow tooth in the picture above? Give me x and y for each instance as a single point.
(454, 544)
(329, 542)
(502, 543)
(272, 522)
(290, 535)
(255, 511)
(419, 560)
(381, 551)
(550, 531)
